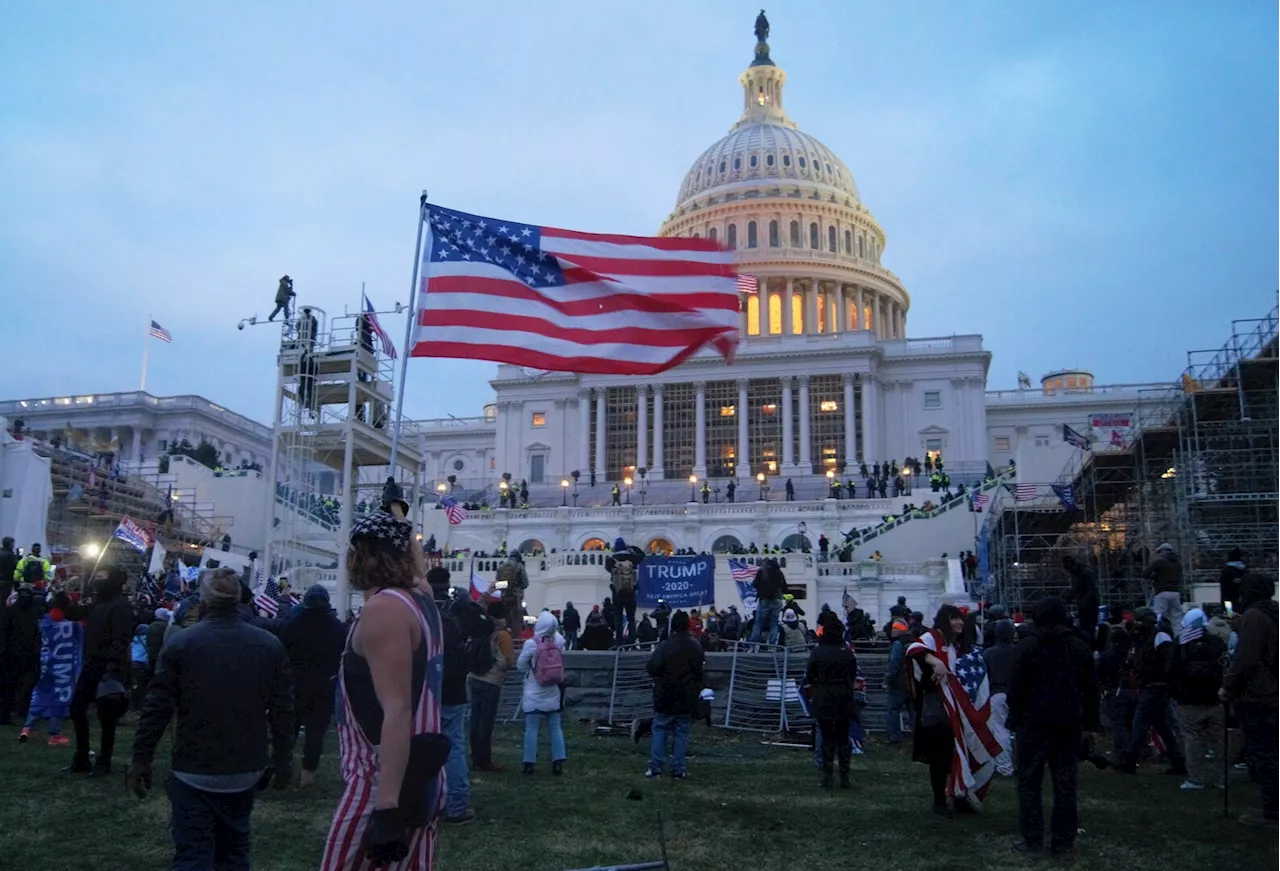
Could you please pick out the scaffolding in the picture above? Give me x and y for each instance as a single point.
(1197, 470)
(331, 446)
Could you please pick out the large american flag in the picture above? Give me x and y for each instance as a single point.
(571, 302)
(966, 697)
(388, 347)
(1024, 492)
(455, 512)
(742, 571)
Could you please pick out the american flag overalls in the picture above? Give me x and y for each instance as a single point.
(344, 847)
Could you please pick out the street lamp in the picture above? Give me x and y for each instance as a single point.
(693, 488)
(831, 479)
(503, 494)
(626, 482)
(441, 488)
(564, 492)
(91, 549)
(763, 487)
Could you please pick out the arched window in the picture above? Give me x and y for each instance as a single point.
(722, 165)
(848, 242)
(775, 314)
(795, 234)
(754, 160)
(697, 235)
(813, 237)
(796, 541)
(797, 314)
(861, 251)
(660, 546)
(831, 239)
(786, 160)
(594, 544)
(773, 234)
(727, 544)
(802, 163)
(731, 236)
(752, 240)
(768, 160)
(737, 164)
(711, 234)
(753, 314)
(532, 545)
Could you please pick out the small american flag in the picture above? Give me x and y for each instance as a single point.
(265, 601)
(388, 347)
(742, 571)
(847, 602)
(455, 512)
(1024, 492)
(980, 501)
(748, 284)
(1074, 438)
(567, 301)
(160, 333)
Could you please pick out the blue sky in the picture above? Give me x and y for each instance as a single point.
(1086, 184)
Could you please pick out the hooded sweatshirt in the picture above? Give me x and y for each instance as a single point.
(536, 697)
(1195, 666)
(1053, 686)
(1251, 676)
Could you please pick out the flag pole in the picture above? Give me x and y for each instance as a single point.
(408, 333)
(146, 349)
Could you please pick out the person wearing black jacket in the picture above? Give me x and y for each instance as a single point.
(832, 673)
(770, 586)
(624, 600)
(453, 699)
(314, 639)
(1150, 660)
(1053, 711)
(571, 624)
(19, 652)
(1228, 580)
(1195, 677)
(226, 686)
(8, 565)
(1084, 595)
(676, 668)
(108, 642)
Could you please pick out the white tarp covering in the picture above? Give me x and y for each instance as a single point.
(26, 491)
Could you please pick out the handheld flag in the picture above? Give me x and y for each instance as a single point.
(568, 301)
(743, 574)
(1074, 438)
(265, 601)
(1066, 494)
(455, 512)
(133, 535)
(388, 347)
(1024, 492)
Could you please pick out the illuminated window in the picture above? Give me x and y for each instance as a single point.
(771, 408)
(775, 314)
(828, 405)
(797, 314)
(753, 314)
(932, 399)
(822, 313)
(933, 446)
(726, 411)
(539, 418)
(1002, 443)
(853, 315)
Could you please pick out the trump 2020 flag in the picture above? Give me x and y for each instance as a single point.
(566, 301)
(133, 535)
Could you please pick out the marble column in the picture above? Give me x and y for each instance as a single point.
(788, 434)
(870, 419)
(762, 304)
(600, 425)
(642, 426)
(862, 310)
(136, 455)
(584, 430)
(806, 462)
(788, 325)
(700, 428)
(850, 428)
(656, 471)
(742, 465)
(811, 309)
(842, 306)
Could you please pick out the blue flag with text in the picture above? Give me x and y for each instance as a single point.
(680, 581)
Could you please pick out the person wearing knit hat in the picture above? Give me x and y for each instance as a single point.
(314, 638)
(226, 684)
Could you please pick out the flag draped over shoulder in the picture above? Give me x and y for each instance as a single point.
(967, 708)
(566, 301)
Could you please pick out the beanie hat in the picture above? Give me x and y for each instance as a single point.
(220, 588)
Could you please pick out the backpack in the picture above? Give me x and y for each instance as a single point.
(480, 658)
(548, 662)
(624, 576)
(509, 573)
(33, 571)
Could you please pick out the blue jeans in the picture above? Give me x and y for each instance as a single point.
(895, 703)
(484, 713)
(532, 723)
(676, 727)
(458, 786)
(209, 829)
(1152, 712)
(55, 724)
(767, 613)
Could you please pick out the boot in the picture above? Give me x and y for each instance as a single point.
(826, 778)
(828, 760)
(80, 764)
(101, 768)
(528, 768)
(308, 778)
(557, 767)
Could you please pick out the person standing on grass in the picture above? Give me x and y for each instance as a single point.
(1195, 677)
(453, 699)
(895, 681)
(486, 683)
(999, 660)
(832, 675)
(1151, 665)
(542, 661)
(1053, 710)
(226, 686)
(61, 655)
(108, 640)
(19, 651)
(676, 668)
(389, 684)
(1250, 684)
(314, 638)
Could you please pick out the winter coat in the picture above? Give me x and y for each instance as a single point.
(676, 668)
(314, 640)
(1229, 582)
(1053, 686)
(1165, 574)
(832, 672)
(572, 620)
(535, 697)
(1195, 670)
(1251, 676)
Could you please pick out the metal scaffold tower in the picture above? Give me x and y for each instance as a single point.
(331, 451)
(1197, 470)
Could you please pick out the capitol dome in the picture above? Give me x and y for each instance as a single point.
(790, 210)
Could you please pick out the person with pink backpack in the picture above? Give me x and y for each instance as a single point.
(542, 662)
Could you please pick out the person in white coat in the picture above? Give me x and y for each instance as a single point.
(541, 698)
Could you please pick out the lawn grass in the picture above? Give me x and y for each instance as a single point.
(743, 806)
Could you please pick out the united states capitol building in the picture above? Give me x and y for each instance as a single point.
(826, 379)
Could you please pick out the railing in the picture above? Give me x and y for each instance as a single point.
(453, 423)
(139, 399)
(1038, 394)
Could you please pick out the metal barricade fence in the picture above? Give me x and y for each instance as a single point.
(758, 688)
(631, 696)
